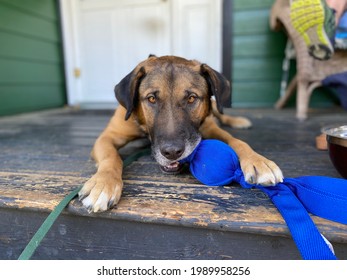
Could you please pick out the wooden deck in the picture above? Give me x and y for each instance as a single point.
(46, 155)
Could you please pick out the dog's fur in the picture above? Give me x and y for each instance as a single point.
(168, 99)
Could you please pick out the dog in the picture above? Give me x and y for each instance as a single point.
(168, 99)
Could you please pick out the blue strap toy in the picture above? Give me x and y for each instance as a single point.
(215, 163)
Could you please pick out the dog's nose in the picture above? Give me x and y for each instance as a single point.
(172, 151)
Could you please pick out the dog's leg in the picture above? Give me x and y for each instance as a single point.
(104, 188)
(256, 168)
(235, 122)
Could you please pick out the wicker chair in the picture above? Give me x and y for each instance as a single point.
(310, 72)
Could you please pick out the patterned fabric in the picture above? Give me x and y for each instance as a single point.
(315, 22)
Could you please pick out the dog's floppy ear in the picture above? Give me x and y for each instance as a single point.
(218, 85)
(127, 91)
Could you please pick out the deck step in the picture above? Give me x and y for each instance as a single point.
(159, 216)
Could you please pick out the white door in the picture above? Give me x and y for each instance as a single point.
(196, 32)
(105, 39)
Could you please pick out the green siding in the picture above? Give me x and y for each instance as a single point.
(251, 4)
(258, 54)
(31, 61)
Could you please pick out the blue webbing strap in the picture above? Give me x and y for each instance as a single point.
(306, 236)
(215, 163)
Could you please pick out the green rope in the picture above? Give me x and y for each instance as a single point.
(45, 227)
(47, 224)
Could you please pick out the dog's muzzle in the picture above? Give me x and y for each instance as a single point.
(169, 154)
(172, 151)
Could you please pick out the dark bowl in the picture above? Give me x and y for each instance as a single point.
(337, 145)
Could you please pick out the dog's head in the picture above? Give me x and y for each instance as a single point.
(170, 98)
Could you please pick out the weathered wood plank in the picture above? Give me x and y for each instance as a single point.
(75, 237)
(156, 199)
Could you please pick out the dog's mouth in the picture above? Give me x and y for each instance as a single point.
(176, 165)
(172, 168)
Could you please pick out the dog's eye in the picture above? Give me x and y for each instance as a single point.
(152, 99)
(191, 98)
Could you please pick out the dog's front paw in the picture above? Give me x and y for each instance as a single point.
(261, 171)
(101, 192)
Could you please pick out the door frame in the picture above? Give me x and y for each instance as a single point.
(71, 50)
(227, 45)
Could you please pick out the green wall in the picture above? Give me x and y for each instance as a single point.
(257, 58)
(31, 61)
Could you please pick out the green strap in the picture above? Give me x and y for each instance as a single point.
(45, 227)
(47, 224)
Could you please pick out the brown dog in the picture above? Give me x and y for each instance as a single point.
(169, 100)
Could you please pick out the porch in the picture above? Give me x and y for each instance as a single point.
(45, 155)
